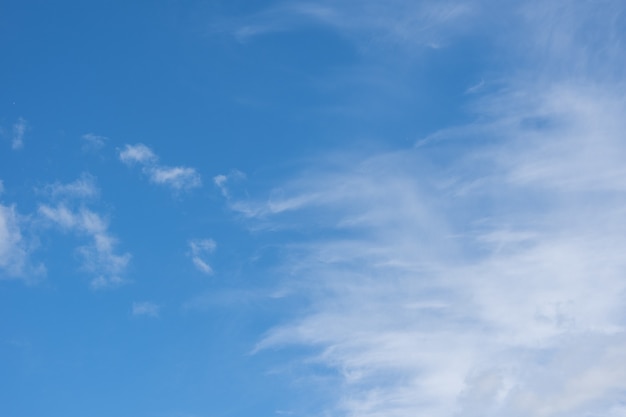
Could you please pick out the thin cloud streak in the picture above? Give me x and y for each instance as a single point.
(200, 249)
(19, 130)
(146, 309)
(425, 24)
(177, 178)
(15, 250)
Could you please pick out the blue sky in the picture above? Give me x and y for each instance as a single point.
(312, 208)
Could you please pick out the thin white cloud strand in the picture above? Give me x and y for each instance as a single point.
(493, 286)
(13, 251)
(146, 309)
(177, 178)
(223, 181)
(199, 250)
(399, 22)
(17, 246)
(19, 130)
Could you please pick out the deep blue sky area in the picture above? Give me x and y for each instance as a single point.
(312, 208)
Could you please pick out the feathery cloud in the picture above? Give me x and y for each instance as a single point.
(67, 211)
(93, 142)
(99, 256)
(146, 308)
(178, 178)
(425, 23)
(82, 188)
(13, 252)
(492, 285)
(199, 250)
(222, 181)
(19, 130)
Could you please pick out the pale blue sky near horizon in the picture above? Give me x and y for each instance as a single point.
(312, 208)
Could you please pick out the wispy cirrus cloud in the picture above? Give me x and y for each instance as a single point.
(488, 285)
(82, 188)
(15, 248)
(428, 301)
(199, 250)
(19, 130)
(146, 309)
(68, 212)
(93, 142)
(400, 22)
(177, 178)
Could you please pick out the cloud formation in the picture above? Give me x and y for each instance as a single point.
(19, 130)
(93, 142)
(177, 178)
(199, 250)
(67, 211)
(489, 285)
(400, 22)
(146, 308)
(82, 188)
(13, 249)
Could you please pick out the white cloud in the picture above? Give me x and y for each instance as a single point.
(93, 142)
(146, 308)
(493, 285)
(19, 130)
(178, 178)
(222, 181)
(15, 249)
(139, 153)
(12, 249)
(99, 256)
(424, 313)
(200, 249)
(83, 187)
(368, 22)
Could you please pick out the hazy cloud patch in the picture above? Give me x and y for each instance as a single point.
(67, 211)
(146, 309)
(199, 251)
(177, 178)
(19, 130)
(92, 142)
